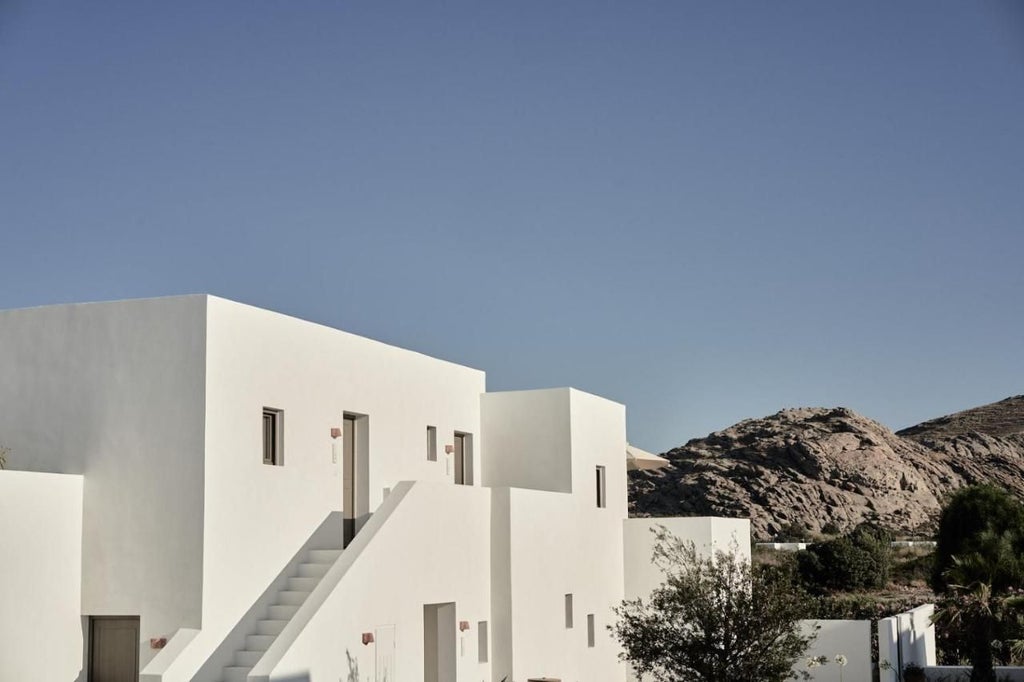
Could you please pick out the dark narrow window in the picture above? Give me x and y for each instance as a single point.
(590, 629)
(432, 443)
(481, 642)
(273, 436)
(568, 611)
(600, 488)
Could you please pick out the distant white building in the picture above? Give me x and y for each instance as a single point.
(199, 490)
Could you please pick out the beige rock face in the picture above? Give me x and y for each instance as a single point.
(813, 466)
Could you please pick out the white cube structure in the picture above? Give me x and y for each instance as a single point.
(255, 497)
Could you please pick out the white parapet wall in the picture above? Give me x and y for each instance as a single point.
(841, 651)
(40, 594)
(960, 673)
(906, 638)
(708, 534)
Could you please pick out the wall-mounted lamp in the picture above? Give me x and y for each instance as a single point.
(463, 625)
(335, 432)
(449, 449)
(367, 638)
(157, 642)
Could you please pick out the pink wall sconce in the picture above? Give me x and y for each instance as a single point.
(157, 642)
(335, 432)
(463, 625)
(449, 449)
(367, 638)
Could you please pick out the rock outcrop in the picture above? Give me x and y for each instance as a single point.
(812, 467)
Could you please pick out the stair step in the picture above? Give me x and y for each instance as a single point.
(271, 627)
(313, 570)
(259, 642)
(282, 611)
(324, 556)
(236, 673)
(293, 597)
(302, 584)
(250, 658)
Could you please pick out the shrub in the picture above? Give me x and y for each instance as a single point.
(862, 559)
(831, 528)
(794, 531)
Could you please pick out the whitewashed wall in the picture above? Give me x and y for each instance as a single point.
(907, 638)
(256, 515)
(115, 391)
(526, 439)
(849, 638)
(917, 635)
(709, 534)
(41, 629)
(433, 548)
(556, 543)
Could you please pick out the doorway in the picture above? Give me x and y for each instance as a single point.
(463, 458)
(439, 642)
(355, 474)
(348, 478)
(114, 649)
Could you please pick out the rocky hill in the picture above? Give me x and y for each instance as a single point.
(815, 466)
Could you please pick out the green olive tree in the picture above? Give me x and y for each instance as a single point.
(713, 619)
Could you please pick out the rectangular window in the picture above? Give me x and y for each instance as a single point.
(600, 488)
(590, 630)
(462, 458)
(481, 641)
(273, 436)
(432, 443)
(568, 611)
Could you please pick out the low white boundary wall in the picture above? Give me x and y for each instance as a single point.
(848, 638)
(41, 590)
(957, 673)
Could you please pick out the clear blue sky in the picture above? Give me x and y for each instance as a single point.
(705, 211)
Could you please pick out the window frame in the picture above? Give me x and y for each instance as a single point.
(431, 443)
(273, 445)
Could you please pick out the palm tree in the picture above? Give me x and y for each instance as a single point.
(991, 618)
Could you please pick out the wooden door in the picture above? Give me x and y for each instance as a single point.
(348, 475)
(114, 649)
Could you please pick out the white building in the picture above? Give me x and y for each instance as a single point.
(199, 490)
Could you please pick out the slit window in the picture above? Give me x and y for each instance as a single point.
(481, 641)
(273, 436)
(590, 630)
(568, 611)
(432, 443)
(601, 498)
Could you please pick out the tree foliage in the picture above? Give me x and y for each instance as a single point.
(978, 571)
(980, 539)
(713, 619)
(981, 628)
(861, 559)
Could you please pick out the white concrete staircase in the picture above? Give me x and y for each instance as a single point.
(284, 606)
